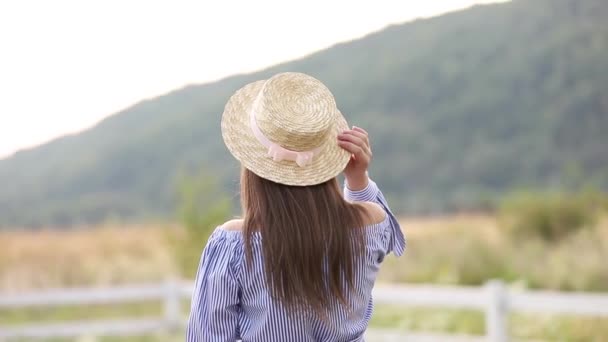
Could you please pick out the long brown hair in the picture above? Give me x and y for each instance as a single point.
(312, 240)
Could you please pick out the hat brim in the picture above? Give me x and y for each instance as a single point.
(244, 146)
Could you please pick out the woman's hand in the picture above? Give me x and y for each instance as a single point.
(356, 141)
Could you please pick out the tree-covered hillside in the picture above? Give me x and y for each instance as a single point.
(461, 108)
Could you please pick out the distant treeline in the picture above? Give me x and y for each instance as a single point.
(461, 109)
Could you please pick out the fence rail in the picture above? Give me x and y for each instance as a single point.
(493, 299)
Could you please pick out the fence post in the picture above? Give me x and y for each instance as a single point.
(172, 304)
(496, 312)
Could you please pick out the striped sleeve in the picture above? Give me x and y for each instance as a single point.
(215, 301)
(371, 193)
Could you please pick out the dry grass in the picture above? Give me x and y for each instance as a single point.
(453, 250)
(101, 256)
(427, 227)
(472, 249)
(463, 249)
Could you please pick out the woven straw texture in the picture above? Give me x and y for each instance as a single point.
(295, 111)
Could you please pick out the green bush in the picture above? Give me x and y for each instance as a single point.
(202, 207)
(550, 216)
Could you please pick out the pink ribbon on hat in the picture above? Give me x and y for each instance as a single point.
(276, 151)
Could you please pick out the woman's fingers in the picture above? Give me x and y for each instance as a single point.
(357, 138)
(357, 134)
(353, 138)
(355, 146)
(359, 129)
(360, 135)
(350, 147)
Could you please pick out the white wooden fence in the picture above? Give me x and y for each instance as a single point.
(493, 299)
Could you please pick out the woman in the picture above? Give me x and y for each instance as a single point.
(301, 264)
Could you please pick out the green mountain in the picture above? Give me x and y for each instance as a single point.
(461, 108)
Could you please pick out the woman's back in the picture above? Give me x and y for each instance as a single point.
(233, 302)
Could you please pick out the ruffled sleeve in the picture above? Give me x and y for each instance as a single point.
(215, 301)
(371, 193)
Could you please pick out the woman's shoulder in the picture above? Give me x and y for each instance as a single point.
(375, 214)
(233, 225)
(227, 232)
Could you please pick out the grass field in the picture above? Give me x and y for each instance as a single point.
(450, 250)
(101, 256)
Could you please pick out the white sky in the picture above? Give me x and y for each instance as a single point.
(65, 65)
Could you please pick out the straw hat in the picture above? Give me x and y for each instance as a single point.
(285, 129)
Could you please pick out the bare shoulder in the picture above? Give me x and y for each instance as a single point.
(236, 224)
(375, 213)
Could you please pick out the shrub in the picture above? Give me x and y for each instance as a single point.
(550, 216)
(202, 206)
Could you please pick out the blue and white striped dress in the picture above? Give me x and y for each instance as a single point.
(231, 302)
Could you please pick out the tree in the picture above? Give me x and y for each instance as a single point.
(202, 207)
